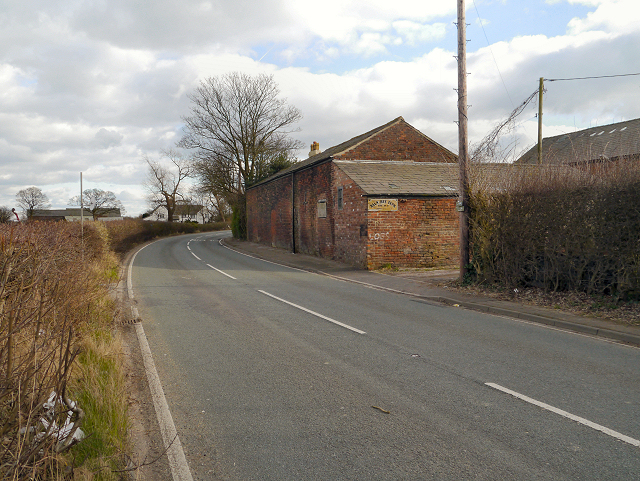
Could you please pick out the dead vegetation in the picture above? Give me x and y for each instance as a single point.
(559, 236)
(53, 286)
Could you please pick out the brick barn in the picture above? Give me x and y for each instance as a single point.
(386, 197)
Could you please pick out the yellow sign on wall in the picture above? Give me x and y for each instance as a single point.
(383, 205)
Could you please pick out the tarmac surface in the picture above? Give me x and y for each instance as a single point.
(424, 285)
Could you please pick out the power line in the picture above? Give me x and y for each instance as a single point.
(586, 78)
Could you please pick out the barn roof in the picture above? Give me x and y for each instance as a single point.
(402, 178)
(606, 142)
(344, 147)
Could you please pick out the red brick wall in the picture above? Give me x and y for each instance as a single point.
(314, 235)
(399, 142)
(350, 221)
(269, 216)
(421, 233)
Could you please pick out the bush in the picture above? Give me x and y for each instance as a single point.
(239, 219)
(558, 228)
(126, 234)
(52, 287)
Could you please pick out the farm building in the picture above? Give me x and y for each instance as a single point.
(588, 147)
(386, 197)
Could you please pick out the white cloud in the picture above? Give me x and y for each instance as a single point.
(91, 86)
(615, 16)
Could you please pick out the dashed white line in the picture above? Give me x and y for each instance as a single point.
(573, 417)
(195, 256)
(222, 272)
(346, 326)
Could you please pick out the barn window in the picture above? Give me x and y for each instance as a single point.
(340, 197)
(322, 208)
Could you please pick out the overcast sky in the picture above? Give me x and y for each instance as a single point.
(94, 85)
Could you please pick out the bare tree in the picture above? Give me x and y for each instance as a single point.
(98, 202)
(30, 199)
(5, 214)
(238, 126)
(215, 205)
(165, 184)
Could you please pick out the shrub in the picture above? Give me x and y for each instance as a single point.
(558, 228)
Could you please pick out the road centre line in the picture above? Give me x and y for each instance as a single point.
(222, 272)
(573, 417)
(346, 326)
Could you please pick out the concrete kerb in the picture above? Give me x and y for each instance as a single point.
(609, 334)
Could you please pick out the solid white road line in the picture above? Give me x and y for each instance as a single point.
(177, 460)
(195, 256)
(346, 326)
(221, 272)
(175, 455)
(586, 422)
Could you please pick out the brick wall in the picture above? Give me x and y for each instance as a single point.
(421, 233)
(350, 221)
(399, 142)
(314, 235)
(269, 218)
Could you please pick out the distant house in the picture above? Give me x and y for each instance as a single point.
(385, 197)
(595, 145)
(74, 214)
(183, 213)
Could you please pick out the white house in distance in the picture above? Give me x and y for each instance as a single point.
(74, 214)
(183, 213)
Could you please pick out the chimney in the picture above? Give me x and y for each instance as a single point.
(315, 149)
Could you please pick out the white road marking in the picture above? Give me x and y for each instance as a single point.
(573, 417)
(260, 259)
(175, 455)
(313, 313)
(222, 272)
(195, 256)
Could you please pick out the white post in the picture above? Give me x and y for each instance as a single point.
(81, 218)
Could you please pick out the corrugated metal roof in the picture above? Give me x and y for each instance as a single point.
(606, 142)
(402, 177)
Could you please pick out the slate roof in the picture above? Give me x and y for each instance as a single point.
(402, 178)
(336, 150)
(74, 212)
(606, 142)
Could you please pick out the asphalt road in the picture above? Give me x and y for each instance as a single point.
(276, 373)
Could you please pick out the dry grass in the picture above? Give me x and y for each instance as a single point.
(580, 303)
(53, 304)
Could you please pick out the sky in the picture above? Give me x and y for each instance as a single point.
(94, 86)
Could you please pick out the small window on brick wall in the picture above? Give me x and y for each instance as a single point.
(340, 199)
(322, 208)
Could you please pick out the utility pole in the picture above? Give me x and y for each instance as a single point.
(463, 143)
(540, 91)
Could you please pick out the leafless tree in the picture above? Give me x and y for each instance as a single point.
(98, 202)
(215, 205)
(5, 214)
(238, 126)
(30, 199)
(165, 184)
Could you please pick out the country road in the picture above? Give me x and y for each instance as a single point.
(275, 373)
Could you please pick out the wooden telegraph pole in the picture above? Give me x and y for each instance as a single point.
(463, 143)
(540, 91)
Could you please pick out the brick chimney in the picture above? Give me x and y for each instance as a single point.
(315, 149)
